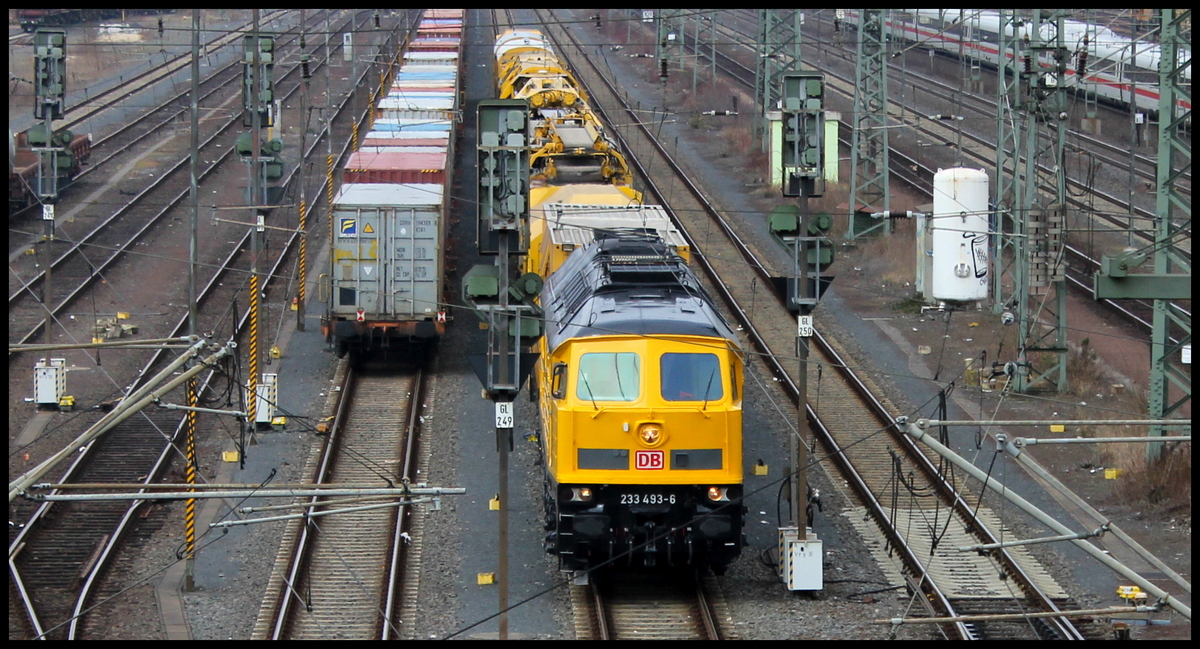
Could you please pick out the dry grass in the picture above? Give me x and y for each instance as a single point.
(1165, 483)
(891, 259)
(1084, 374)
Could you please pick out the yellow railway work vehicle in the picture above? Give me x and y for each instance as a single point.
(568, 141)
(527, 68)
(565, 218)
(639, 379)
(639, 384)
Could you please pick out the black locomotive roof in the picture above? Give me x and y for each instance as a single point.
(627, 282)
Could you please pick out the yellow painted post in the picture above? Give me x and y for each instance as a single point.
(301, 294)
(189, 515)
(253, 364)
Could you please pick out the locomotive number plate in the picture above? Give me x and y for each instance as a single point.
(647, 499)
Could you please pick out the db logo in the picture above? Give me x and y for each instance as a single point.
(649, 460)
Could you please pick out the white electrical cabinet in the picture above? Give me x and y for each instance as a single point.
(49, 381)
(801, 563)
(268, 397)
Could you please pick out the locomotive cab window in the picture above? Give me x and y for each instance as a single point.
(608, 377)
(558, 385)
(691, 377)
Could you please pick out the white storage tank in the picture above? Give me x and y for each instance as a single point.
(960, 235)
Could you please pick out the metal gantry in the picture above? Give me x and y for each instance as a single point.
(777, 53)
(869, 192)
(1004, 241)
(1033, 119)
(1171, 334)
(1174, 219)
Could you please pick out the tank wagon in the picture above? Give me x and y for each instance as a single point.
(387, 289)
(639, 379)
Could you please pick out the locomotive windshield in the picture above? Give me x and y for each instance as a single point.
(691, 377)
(609, 377)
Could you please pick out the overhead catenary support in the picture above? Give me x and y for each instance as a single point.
(1171, 330)
(1170, 382)
(869, 153)
(302, 214)
(777, 53)
(253, 492)
(1004, 239)
(127, 407)
(191, 464)
(922, 434)
(1015, 446)
(1032, 220)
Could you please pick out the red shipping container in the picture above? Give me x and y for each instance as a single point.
(411, 88)
(435, 44)
(391, 141)
(439, 31)
(395, 167)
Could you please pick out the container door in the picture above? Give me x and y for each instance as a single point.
(370, 270)
(413, 291)
(356, 279)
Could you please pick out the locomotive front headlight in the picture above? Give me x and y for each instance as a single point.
(718, 494)
(650, 434)
(576, 494)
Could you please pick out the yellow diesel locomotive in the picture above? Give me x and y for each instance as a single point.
(639, 379)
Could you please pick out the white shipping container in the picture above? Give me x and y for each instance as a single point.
(387, 251)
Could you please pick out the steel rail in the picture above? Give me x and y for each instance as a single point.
(82, 458)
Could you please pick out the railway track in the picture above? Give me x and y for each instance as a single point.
(350, 565)
(861, 433)
(132, 137)
(642, 606)
(88, 258)
(30, 605)
(94, 105)
(1106, 158)
(51, 560)
(131, 133)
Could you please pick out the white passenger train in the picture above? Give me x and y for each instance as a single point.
(1117, 67)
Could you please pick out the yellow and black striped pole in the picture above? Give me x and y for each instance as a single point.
(329, 193)
(329, 190)
(371, 113)
(252, 410)
(189, 584)
(303, 263)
